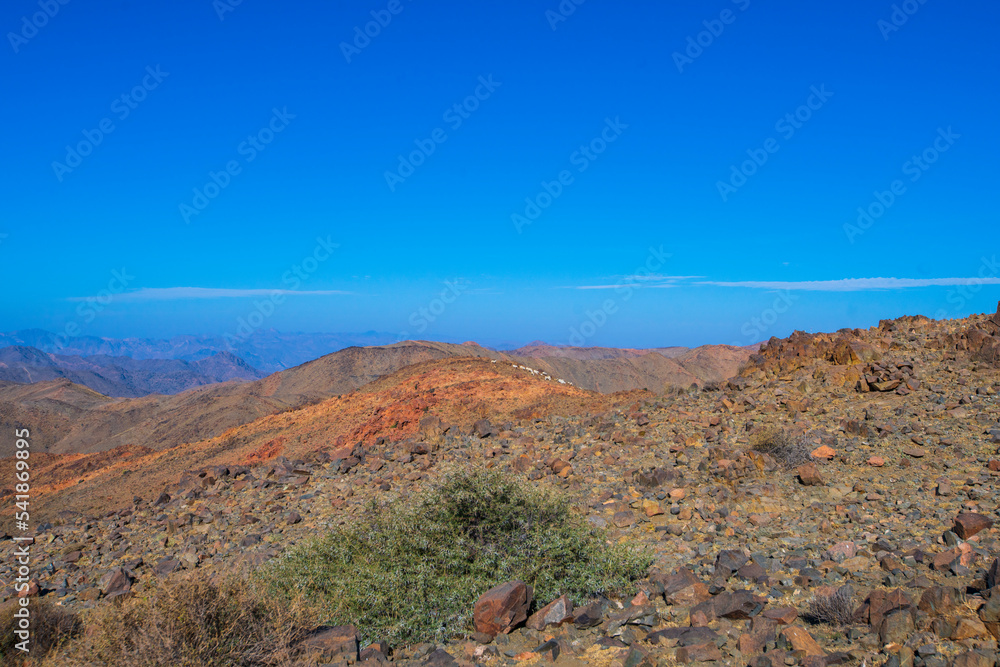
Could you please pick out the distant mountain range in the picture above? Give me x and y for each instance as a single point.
(265, 350)
(122, 377)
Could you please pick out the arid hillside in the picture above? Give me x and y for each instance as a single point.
(833, 504)
(159, 421)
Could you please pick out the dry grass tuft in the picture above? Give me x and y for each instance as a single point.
(777, 443)
(50, 627)
(835, 609)
(197, 623)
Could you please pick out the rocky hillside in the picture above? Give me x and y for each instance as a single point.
(834, 504)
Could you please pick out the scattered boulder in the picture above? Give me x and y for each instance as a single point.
(483, 428)
(556, 612)
(338, 642)
(809, 475)
(502, 608)
(968, 524)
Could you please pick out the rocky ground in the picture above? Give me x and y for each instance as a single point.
(867, 540)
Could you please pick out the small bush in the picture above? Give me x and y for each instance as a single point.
(406, 574)
(50, 627)
(834, 609)
(782, 447)
(197, 623)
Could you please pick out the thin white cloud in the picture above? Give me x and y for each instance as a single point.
(175, 293)
(656, 278)
(852, 284)
(839, 285)
(651, 280)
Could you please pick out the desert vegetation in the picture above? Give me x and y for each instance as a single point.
(411, 571)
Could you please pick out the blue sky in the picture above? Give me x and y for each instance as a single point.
(630, 174)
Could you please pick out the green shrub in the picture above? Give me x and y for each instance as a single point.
(409, 573)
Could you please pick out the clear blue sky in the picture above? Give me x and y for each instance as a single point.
(643, 126)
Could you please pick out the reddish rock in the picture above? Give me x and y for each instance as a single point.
(116, 583)
(556, 612)
(962, 554)
(876, 461)
(801, 640)
(969, 628)
(823, 452)
(502, 608)
(968, 524)
(31, 591)
(841, 551)
(755, 640)
(783, 615)
(809, 475)
(879, 603)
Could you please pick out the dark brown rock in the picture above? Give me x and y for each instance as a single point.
(482, 428)
(968, 524)
(989, 613)
(334, 642)
(941, 600)
(974, 659)
(896, 627)
(707, 652)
